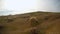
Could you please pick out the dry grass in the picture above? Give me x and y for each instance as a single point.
(31, 23)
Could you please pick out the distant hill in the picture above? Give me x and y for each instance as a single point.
(31, 23)
(5, 12)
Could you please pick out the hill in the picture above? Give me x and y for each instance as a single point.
(31, 23)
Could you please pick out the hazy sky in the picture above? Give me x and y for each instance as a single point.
(23, 6)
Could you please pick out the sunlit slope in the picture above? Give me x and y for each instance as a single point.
(31, 23)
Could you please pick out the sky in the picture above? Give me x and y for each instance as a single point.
(25, 6)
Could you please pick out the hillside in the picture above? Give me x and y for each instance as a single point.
(31, 23)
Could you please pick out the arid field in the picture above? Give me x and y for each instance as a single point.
(31, 23)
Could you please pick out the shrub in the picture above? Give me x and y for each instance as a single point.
(34, 22)
(9, 20)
